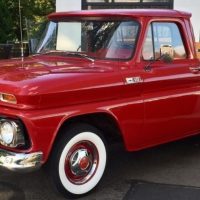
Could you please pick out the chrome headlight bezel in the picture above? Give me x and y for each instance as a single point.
(8, 131)
(16, 137)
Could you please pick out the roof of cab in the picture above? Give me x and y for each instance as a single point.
(120, 12)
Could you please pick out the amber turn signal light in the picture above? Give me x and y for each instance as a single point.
(9, 98)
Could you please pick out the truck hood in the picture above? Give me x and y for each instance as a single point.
(40, 65)
(47, 81)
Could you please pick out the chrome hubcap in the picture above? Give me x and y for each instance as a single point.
(81, 162)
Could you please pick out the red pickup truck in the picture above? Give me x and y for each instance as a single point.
(98, 77)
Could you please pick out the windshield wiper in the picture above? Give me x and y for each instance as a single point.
(46, 52)
(75, 54)
(81, 55)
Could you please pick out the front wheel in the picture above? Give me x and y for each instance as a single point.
(79, 160)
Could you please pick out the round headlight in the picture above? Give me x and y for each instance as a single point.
(7, 131)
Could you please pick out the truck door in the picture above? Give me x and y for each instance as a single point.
(171, 91)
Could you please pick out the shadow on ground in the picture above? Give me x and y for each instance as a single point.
(141, 190)
(10, 191)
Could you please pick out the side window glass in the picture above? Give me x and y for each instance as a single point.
(161, 35)
(147, 52)
(168, 34)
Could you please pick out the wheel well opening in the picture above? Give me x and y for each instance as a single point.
(105, 123)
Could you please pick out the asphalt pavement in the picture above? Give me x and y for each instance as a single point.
(177, 163)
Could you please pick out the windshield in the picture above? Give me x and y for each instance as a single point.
(95, 39)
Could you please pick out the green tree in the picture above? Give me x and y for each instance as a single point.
(6, 23)
(33, 17)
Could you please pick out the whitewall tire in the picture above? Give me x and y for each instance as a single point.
(79, 160)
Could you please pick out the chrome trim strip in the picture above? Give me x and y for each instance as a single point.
(20, 161)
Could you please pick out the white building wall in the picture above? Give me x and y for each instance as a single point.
(67, 39)
(192, 6)
(68, 5)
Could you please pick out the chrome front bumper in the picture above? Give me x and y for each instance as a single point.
(19, 161)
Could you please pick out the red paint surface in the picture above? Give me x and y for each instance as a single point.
(51, 89)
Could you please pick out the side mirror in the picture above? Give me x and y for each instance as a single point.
(166, 58)
(167, 53)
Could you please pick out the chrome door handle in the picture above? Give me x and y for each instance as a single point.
(195, 69)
